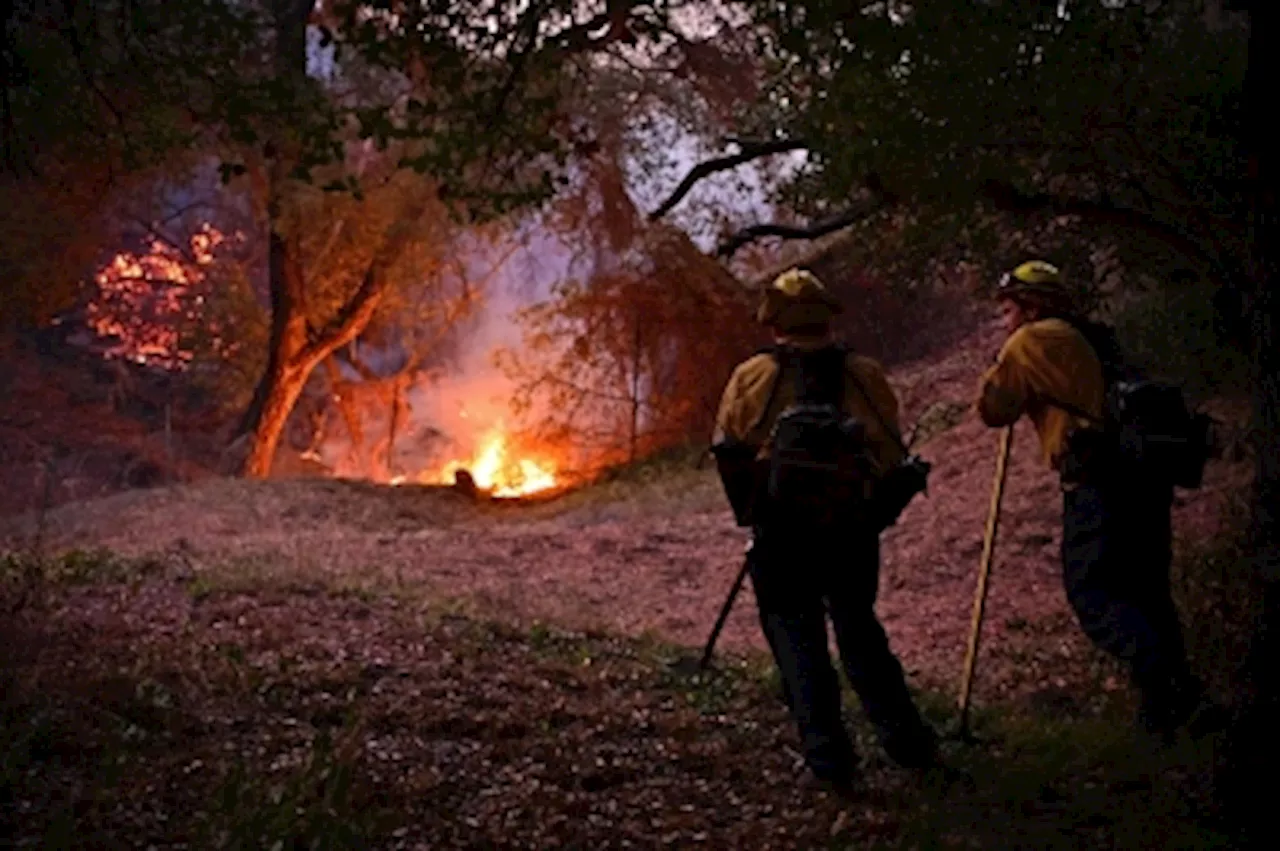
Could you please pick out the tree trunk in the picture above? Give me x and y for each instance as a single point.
(635, 393)
(285, 387)
(287, 370)
(1253, 745)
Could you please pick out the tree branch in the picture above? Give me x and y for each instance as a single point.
(354, 316)
(750, 151)
(822, 227)
(1006, 197)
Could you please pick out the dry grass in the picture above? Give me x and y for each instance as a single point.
(139, 715)
(174, 674)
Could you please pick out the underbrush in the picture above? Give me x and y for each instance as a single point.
(1219, 597)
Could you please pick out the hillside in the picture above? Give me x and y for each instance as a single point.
(75, 427)
(228, 664)
(654, 557)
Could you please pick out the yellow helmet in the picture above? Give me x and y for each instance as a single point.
(1035, 281)
(797, 299)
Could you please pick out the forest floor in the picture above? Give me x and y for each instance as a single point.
(214, 664)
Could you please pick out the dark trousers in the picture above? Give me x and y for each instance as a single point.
(800, 580)
(1116, 553)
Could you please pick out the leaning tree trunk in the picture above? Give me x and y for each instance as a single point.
(295, 351)
(287, 370)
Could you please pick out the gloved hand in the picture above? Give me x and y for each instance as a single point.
(899, 486)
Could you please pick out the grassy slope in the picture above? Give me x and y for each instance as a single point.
(227, 686)
(144, 706)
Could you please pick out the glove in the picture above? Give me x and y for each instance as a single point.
(898, 487)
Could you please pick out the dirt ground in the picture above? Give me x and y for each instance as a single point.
(653, 557)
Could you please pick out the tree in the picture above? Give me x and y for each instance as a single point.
(618, 361)
(464, 94)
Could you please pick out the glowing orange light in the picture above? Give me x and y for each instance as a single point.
(142, 298)
(495, 471)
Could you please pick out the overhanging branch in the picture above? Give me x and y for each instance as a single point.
(878, 201)
(1008, 198)
(750, 151)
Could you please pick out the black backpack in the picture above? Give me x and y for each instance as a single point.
(1147, 428)
(819, 469)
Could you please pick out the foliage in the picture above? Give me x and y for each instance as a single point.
(622, 363)
(227, 338)
(978, 133)
(1171, 329)
(49, 240)
(311, 808)
(143, 301)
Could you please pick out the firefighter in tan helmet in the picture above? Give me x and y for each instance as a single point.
(1056, 368)
(813, 427)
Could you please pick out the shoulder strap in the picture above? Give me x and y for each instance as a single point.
(1102, 339)
(794, 360)
(773, 352)
(866, 397)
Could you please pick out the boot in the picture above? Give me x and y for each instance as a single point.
(913, 745)
(1168, 704)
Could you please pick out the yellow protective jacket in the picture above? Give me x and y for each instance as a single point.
(743, 415)
(1042, 360)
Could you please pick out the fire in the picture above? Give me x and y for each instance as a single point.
(142, 301)
(495, 471)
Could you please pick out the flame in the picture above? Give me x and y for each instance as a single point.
(141, 301)
(495, 471)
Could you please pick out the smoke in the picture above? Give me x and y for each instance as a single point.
(442, 414)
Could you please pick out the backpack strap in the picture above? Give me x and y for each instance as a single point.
(858, 387)
(771, 351)
(804, 380)
(884, 426)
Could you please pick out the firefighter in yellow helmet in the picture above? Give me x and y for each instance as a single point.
(806, 430)
(1055, 368)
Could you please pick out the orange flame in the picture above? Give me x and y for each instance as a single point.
(142, 300)
(495, 471)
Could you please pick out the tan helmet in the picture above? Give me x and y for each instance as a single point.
(1036, 282)
(797, 300)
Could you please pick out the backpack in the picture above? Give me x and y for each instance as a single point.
(1147, 428)
(819, 470)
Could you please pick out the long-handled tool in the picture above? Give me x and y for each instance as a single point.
(725, 609)
(686, 665)
(984, 571)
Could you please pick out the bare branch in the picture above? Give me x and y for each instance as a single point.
(750, 151)
(822, 227)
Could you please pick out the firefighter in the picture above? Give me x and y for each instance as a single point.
(1117, 534)
(802, 574)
